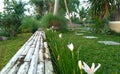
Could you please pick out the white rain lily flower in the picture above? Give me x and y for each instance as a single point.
(80, 64)
(52, 27)
(91, 70)
(70, 46)
(60, 35)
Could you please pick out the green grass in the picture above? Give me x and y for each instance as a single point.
(87, 50)
(10, 47)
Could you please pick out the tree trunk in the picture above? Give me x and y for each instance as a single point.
(70, 22)
(50, 6)
(56, 7)
(106, 10)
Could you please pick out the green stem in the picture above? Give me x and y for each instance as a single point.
(73, 62)
(81, 72)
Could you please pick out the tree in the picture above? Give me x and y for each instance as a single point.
(100, 11)
(102, 8)
(42, 7)
(12, 16)
(82, 13)
(67, 10)
(56, 6)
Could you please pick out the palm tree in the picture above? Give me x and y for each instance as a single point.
(67, 10)
(56, 7)
(101, 10)
(42, 6)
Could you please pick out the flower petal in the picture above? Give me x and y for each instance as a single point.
(70, 46)
(80, 64)
(97, 67)
(60, 35)
(93, 66)
(86, 67)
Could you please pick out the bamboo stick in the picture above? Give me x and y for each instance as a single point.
(23, 68)
(34, 61)
(48, 67)
(40, 68)
(14, 69)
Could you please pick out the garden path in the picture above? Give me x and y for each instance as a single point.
(94, 37)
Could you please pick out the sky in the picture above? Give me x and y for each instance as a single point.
(27, 6)
(1, 5)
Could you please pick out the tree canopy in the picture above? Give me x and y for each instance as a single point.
(102, 8)
(12, 16)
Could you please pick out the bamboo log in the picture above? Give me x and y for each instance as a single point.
(41, 56)
(14, 69)
(40, 68)
(43, 34)
(31, 42)
(34, 61)
(47, 52)
(25, 51)
(48, 63)
(31, 51)
(23, 68)
(48, 67)
(29, 55)
(41, 43)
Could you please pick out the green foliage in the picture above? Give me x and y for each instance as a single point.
(83, 12)
(12, 16)
(98, 8)
(99, 26)
(58, 22)
(43, 6)
(72, 6)
(29, 24)
(87, 50)
(4, 33)
(64, 61)
(100, 11)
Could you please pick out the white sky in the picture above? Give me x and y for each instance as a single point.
(1, 5)
(31, 8)
(27, 6)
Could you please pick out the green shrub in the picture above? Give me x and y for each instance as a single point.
(58, 22)
(29, 25)
(100, 26)
(4, 33)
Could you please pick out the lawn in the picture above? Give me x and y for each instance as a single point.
(87, 50)
(10, 47)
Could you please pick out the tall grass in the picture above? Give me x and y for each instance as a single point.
(64, 60)
(84, 49)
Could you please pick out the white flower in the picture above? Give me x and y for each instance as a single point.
(91, 70)
(60, 35)
(52, 27)
(70, 46)
(80, 64)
